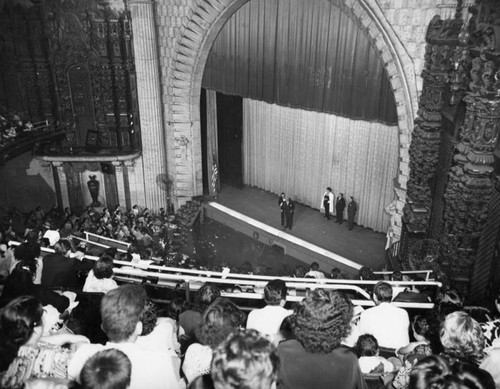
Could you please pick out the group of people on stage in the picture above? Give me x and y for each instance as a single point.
(327, 204)
(287, 208)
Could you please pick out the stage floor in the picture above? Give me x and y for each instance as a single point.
(361, 245)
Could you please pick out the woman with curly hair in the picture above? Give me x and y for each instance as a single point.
(462, 338)
(315, 358)
(219, 320)
(190, 319)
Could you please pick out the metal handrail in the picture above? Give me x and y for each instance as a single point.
(193, 278)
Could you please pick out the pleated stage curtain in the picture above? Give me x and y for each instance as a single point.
(304, 54)
(302, 152)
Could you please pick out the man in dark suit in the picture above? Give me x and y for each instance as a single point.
(281, 201)
(339, 209)
(61, 270)
(289, 209)
(352, 208)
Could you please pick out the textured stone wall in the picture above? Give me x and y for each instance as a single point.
(410, 19)
(172, 17)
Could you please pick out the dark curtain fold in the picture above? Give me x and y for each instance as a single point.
(304, 54)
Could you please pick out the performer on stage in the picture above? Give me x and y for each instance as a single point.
(339, 209)
(281, 200)
(327, 202)
(289, 209)
(352, 208)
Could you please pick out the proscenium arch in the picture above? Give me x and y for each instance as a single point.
(199, 34)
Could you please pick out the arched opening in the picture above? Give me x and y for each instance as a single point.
(190, 58)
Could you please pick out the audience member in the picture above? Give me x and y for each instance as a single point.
(447, 301)
(107, 369)
(268, 320)
(99, 279)
(121, 311)
(366, 274)
(25, 252)
(4, 262)
(491, 332)
(157, 331)
(462, 338)
(314, 271)
(315, 358)
(368, 356)
(220, 319)
(336, 274)
(190, 319)
(20, 283)
(25, 354)
(387, 322)
(437, 372)
(51, 234)
(351, 339)
(245, 360)
(60, 270)
(491, 364)
(426, 331)
(299, 271)
(491, 328)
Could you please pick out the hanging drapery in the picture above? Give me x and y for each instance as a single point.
(212, 148)
(304, 54)
(302, 152)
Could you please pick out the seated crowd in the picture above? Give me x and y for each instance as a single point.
(322, 341)
(12, 127)
(155, 237)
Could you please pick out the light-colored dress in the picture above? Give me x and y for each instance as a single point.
(43, 361)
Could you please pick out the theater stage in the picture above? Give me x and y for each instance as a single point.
(329, 241)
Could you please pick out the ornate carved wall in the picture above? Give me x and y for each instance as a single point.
(465, 93)
(72, 63)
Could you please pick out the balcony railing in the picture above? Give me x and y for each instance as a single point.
(31, 138)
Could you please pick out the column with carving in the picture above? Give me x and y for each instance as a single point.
(441, 39)
(470, 186)
(150, 100)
